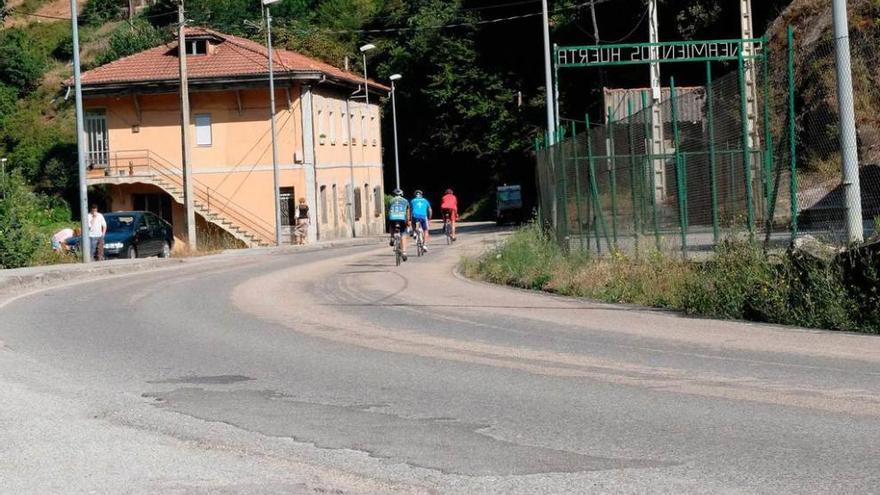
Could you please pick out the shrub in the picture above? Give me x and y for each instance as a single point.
(740, 282)
(527, 259)
(19, 239)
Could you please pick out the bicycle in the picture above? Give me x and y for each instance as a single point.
(447, 228)
(398, 251)
(420, 240)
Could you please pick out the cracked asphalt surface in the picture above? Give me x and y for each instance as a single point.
(335, 372)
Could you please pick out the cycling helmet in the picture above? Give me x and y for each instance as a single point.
(398, 192)
(449, 191)
(418, 192)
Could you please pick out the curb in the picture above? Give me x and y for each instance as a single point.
(25, 278)
(46, 276)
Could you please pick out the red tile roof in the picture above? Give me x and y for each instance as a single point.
(232, 57)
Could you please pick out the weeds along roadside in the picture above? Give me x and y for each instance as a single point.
(740, 281)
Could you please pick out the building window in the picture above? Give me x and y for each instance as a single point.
(366, 200)
(196, 47)
(203, 129)
(319, 106)
(378, 202)
(358, 206)
(351, 125)
(335, 200)
(346, 137)
(324, 217)
(364, 137)
(374, 129)
(331, 122)
(97, 139)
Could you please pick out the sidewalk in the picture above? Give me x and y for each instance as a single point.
(42, 276)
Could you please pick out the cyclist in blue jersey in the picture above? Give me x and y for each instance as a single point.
(398, 218)
(420, 209)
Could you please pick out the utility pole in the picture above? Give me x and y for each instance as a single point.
(657, 137)
(548, 77)
(848, 139)
(275, 172)
(747, 32)
(84, 244)
(184, 130)
(350, 197)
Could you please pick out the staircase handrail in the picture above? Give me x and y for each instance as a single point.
(229, 208)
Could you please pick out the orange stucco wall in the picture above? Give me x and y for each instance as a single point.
(237, 165)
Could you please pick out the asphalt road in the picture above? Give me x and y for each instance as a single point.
(336, 372)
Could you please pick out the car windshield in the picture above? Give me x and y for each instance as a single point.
(509, 195)
(122, 223)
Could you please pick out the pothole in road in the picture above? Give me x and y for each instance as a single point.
(206, 380)
(444, 444)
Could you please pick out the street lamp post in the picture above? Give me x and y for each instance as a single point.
(275, 172)
(364, 50)
(395, 77)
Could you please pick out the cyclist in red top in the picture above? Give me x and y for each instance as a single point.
(449, 205)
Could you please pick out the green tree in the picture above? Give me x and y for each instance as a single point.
(21, 65)
(127, 40)
(97, 12)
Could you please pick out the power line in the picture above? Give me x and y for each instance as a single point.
(461, 24)
(625, 37)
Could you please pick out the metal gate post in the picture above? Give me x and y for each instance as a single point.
(678, 170)
(633, 188)
(713, 165)
(594, 191)
(577, 184)
(747, 152)
(649, 162)
(613, 173)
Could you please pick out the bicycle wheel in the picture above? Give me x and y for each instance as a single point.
(447, 230)
(398, 254)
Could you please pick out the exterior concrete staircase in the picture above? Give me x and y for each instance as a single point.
(143, 166)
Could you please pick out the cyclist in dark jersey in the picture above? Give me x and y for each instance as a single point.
(398, 219)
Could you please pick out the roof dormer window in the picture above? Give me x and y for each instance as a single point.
(197, 47)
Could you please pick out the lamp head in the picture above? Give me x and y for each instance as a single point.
(269, 2)
(365, 48)
(396, 77)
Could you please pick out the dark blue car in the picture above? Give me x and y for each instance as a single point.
(134, 234)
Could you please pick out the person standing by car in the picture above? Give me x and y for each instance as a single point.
(302, 221)
(97, 229)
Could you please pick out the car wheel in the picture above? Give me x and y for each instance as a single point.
(131, 252)
(166, 250)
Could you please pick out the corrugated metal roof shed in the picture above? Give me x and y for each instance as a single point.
(691, 103)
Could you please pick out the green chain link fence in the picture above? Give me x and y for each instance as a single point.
(605, 187)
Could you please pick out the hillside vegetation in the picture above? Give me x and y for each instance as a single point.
(472, 93)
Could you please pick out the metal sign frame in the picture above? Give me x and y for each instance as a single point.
(667, 52)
